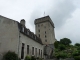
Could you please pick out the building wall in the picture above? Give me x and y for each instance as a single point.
(31, 43)
(11, 39)
(45, 31)
(9, 35)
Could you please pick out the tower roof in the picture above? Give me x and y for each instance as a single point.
(43, 19)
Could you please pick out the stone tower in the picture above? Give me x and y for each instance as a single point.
(44, 29)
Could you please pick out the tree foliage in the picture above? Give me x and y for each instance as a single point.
(77, 44)
(61, 47)
(64, 49)
(65, 41)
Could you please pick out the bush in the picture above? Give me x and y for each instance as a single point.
(37, 58)
(77, 57)
(27, 58)
(10, 56)
(33, 58)
(41, 59)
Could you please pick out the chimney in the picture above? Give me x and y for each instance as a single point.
(22, 22)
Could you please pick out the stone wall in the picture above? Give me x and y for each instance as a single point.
(9, 35)
(31, 43)
(11, 39)
(44, 29)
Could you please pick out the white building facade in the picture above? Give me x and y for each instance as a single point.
(15, 37)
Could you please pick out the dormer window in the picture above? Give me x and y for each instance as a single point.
(32, 35)
(38, 25)
(27, 32)
(35, 37)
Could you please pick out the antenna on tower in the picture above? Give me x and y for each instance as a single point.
(44, 13)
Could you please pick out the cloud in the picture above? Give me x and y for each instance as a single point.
(61, 12)
(35, 14)
(71, 28)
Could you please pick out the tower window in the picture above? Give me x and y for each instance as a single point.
(39, 35)
(45, 32)
(45, 36)
(39, 30)
(38, 25)
(45, 40)
(44, 26)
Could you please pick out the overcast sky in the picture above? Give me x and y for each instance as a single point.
(65, 15)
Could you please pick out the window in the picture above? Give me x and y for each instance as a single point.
(38, 25)
(45, 40)
(44, 26)
(27, 49)
(36, 52)
(22, 51)
(45, 32)
(32, 35)
(35, 37)
(39, 51)
(39, 30)
(32, 50)
(45, 36)
(39, 35)
(27, 32)
(41, 24)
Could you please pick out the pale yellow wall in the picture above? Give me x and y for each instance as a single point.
(9, 38)
(50, 35)
(8, 35)
(31, 43)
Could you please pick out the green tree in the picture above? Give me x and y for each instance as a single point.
(77, 44)
(65, 41)
(61, 47)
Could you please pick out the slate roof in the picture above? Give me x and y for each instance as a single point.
(28, 33)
